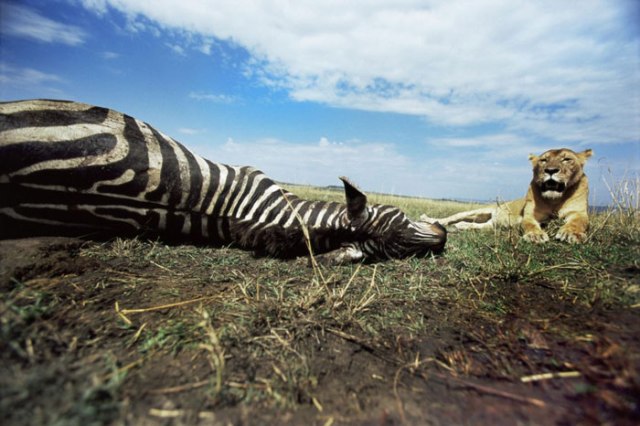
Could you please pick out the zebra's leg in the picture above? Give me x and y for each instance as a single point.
(463, 226)
(342, 256)
(479, 216)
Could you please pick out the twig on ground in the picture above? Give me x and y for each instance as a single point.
(157, 412)
(180, 388)
(124, 312)
(127, 367)
(548, 376)
(488, 390)
(165, 268)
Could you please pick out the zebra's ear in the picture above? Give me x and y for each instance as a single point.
(356, 199)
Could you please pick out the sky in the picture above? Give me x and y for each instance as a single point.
(438, 99)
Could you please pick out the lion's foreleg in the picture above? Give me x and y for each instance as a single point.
(532, 217)
(574, 212)
(532, 231)
(575, 228)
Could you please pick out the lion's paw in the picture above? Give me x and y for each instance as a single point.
(571, 237)
(538, 237)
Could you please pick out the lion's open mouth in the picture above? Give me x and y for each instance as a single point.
(553, 185)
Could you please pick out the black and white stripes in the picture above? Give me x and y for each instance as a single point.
(71, 168)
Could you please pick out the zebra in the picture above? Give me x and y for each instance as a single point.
(68, 168)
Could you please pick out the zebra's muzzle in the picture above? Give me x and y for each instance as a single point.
(435, 234)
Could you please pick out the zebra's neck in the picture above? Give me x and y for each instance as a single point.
(278, 222)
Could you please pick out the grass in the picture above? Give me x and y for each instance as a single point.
(214, 330)
(412, 206)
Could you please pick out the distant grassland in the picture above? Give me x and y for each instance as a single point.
(412, 206)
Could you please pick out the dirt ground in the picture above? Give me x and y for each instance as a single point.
(67, 356)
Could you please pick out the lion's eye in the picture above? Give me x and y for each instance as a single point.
(543, 160)
(567, 160)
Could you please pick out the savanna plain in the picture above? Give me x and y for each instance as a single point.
(493, 331)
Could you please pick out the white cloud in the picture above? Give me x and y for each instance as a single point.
(110, 55)
(98, 6)
(24, 76)
(28, 79)
(374, 166)
(554, 69)
(212, 97)
(206, 47)
(189, 131)
(21, 21)
(490, 148)
(177, 49)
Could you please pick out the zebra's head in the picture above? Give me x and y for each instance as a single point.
(384, 232)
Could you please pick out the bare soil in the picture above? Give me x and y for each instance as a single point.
(68, 357)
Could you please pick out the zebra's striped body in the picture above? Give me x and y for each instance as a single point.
(71, 168)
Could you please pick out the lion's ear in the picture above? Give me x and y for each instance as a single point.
(533, 159)
(584, 155)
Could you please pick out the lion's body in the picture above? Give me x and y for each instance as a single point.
(559, 189)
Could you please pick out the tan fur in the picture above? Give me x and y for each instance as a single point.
(559, 189)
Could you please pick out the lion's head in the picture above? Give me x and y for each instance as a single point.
(557, 170)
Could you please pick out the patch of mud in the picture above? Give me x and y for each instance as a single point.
(23, 259)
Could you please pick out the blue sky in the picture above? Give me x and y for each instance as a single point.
(441, 99)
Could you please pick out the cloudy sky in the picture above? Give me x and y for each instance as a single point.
(442, 99)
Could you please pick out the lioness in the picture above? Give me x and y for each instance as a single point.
(559, 189)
